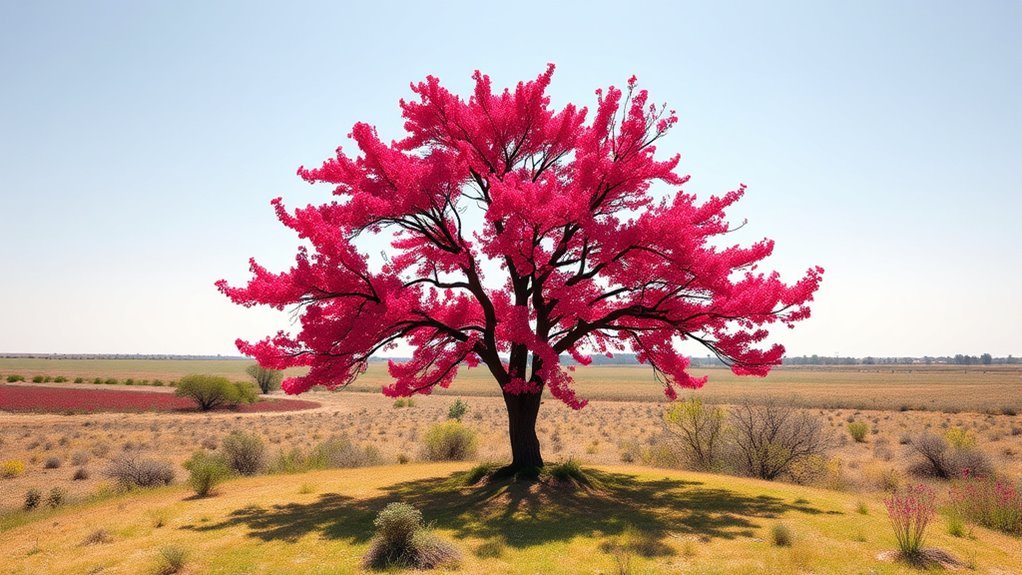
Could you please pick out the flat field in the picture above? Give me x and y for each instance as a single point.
(916, 387)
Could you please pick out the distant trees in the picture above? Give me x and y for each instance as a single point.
(267, 379)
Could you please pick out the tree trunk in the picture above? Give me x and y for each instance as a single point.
(522, 411)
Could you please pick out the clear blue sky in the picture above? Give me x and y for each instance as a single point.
(141, 142)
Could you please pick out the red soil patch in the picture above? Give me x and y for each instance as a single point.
(63, 400)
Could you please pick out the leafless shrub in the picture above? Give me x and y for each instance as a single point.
(697, 430)
(940, 460)
(135, 471)
(767, 439)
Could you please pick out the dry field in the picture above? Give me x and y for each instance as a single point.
(994, 389)
(55, 446)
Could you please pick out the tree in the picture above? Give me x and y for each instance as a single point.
(212, 391)
(561, 211)
(266, 379)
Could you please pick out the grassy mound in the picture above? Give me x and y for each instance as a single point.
(649, 520)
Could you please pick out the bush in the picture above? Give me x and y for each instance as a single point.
(858, 431)
(60, 379)
(97, 537)
(987, 501)
(111, 381)
(56, 498)
(958, 438)
(12, 468)
(568, 472)
(698, 430)
(942, 461)
(402, 540)
(81, 474)
(130, 471)
(341, 452)
(15, 378)
(171, 560)
(769, 439)
(209, 392)
(97, 381)
(205, 472)
(910, 512)
(33, 497)
(245, 453)
(267, 379)
(38, 379)
(79, 380)
(449, 441)
(781, 535)
(52, 462)
(457, 410)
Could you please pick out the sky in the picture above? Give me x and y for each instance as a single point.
(141, 143)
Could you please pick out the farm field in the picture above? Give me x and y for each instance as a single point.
(658, 521)
(916, 387)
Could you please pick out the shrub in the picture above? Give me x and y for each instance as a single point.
(858, 431)
(209, 392)
(171, 560)
(15, 378)
(781, 535)
(568, 472)
(267, 379)
(910, 512)
(245, 453)
(110, 381)
(38, 379)
(698, 430)
(52, 462)
(79, 457)
(57, 497)
(81, 474)
(341, 452)
(402, 540)
(959, 438)
(987, 501)
(449, 441)
(60, 379)
(457, 410)
(769, 438)
(205, 472)
(12, 468)
(129, 381)
(400, 402)
(79, 380)
(130, 471)
(97, 381)
(940, 460)
(33, 497)
(97, 537)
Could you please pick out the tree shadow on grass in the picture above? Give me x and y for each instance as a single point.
(526, 514)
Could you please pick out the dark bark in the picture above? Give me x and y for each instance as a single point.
(522, 411)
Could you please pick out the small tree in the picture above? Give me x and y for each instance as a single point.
(210, 391)
(267, 379)
(698, 429)
(457, 410)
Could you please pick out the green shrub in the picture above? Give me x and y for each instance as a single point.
(210, 391)
(15, 378)
(60, 379)
(569, 471)
(111, 381)
(858, 431)
(341, 452)
(959, 438)
(205, 472)
(449, 441)
(245, 453)
(457, 410)
(171, 560)
(97, 381)
(400, 402)
(158, 382)
(129, 381)
(781, 535)
(402, 540)
(698, 430)
(33, 497)
(38, 379)
(12, 468)
(79, 380)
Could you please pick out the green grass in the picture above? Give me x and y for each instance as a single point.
(667, 521)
